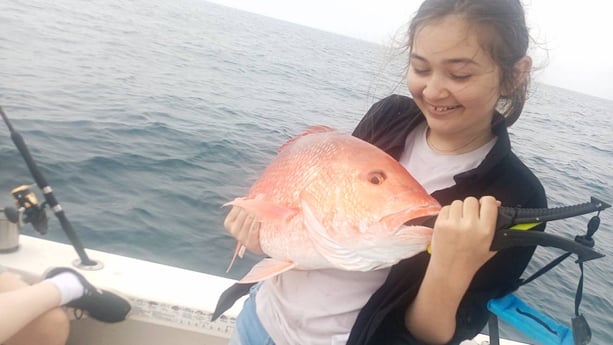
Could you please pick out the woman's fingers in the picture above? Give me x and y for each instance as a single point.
(245, 228)
(463, 232)
(488, 212)
(470, 207)
(252, 242)
(231, 218)
(456, 210)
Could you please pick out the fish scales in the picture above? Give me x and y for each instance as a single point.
(330, 200)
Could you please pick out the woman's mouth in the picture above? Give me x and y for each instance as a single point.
(442, 108)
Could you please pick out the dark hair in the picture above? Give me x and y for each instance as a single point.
(503, 34)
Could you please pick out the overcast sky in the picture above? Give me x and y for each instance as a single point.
(576, 35)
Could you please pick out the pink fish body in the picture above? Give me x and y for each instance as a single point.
(331, 200)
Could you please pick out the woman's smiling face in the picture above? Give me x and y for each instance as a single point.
(452, 78)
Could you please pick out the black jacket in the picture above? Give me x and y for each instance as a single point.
(501, 174)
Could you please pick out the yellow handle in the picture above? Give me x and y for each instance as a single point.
(522, 227)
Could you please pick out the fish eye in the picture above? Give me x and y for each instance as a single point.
(376, 177)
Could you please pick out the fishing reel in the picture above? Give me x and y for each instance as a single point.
(33, 212)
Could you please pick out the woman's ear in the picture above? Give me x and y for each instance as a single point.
(521, 71)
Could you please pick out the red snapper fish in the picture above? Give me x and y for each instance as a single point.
(331, 200)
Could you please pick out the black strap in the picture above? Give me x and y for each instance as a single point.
(579, 294)
(582, 333)
(543, 270)
(494, 330)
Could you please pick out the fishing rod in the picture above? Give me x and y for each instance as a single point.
(48, 193)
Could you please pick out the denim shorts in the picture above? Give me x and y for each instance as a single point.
(249, 329)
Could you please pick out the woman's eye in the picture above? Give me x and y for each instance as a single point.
(419, 70)
(460, 77)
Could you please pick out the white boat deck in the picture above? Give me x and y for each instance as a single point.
(170, 305)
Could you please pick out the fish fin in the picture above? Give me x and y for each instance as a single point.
(310, 130)
(264, 210)
(336, 254)
(238, 251)
(368, 254)
(265, 269)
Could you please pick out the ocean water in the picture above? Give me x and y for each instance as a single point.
(146, 116)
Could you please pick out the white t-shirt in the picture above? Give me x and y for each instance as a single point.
(319, 307)
(433, 170)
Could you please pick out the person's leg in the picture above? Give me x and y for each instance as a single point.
(50, 329)
(30, 313)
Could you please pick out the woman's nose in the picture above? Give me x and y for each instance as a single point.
(435, 88)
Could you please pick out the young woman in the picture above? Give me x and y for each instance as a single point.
(468, 75)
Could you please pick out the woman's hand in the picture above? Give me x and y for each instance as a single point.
(461, 242)
(463, 234)
(245, 228)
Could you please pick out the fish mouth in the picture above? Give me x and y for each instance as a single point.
(427, 221)
(414, 216)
